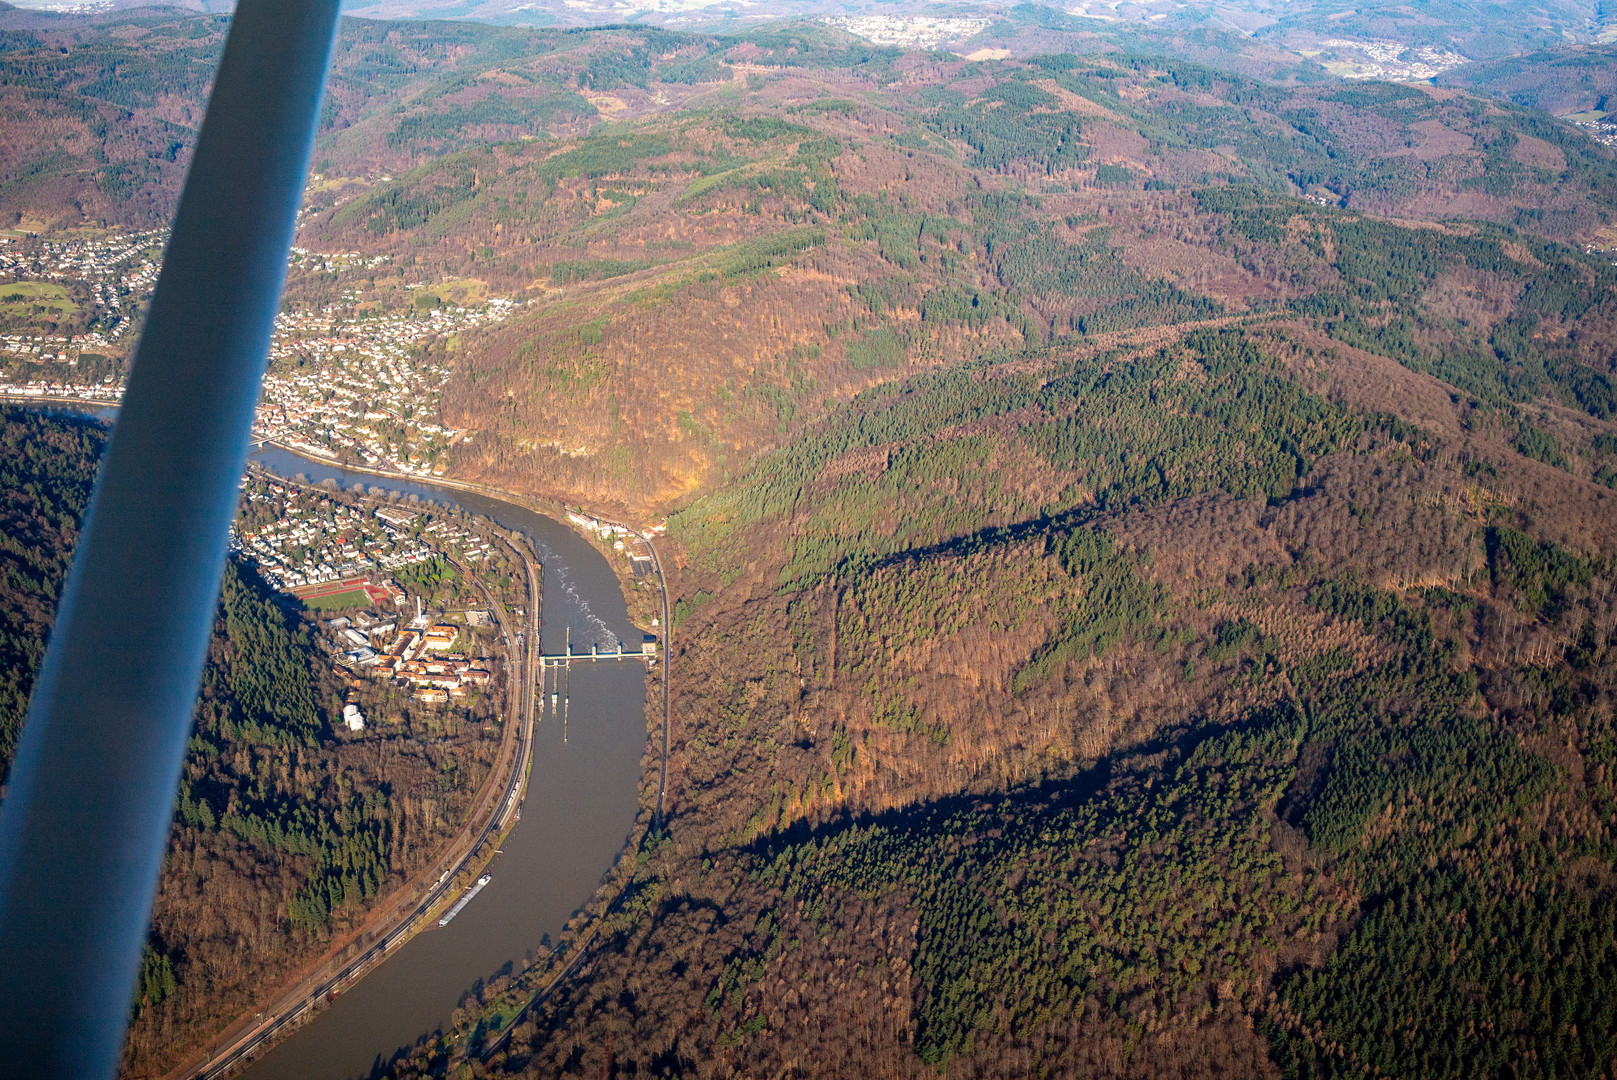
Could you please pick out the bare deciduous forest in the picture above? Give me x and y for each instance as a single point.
(1141, 537)
(286, 832)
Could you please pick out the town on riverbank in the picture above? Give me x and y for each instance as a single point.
(402, 593)
(356, 378)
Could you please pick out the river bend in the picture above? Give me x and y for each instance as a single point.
(580, 807)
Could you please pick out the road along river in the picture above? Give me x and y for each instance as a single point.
(580, 806)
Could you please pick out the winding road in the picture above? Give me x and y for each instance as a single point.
(668, 652)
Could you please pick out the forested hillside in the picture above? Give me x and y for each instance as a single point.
(1129, 711)
(1125, 626)
(285, 831)
(49, 469)
(98, 120)
(1141, 541)
(1559, 81)
(120, 96)
(719, 261)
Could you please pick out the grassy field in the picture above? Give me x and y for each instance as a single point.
(19, 298)
(352, 598)
(457, 292)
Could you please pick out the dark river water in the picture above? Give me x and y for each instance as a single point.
(579, 810)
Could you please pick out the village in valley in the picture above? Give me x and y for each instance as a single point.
(69, 309)
(364, 389)
(403, 595)
(910, 31)
(347, 381)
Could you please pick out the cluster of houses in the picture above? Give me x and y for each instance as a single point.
(1602, 129)
(623, 540)
(38, 346)
(127, 259)
(120, 271)
(60, 348)
(339, 382)
(457, 540)
(334, 263)
(1393, 61)
(75, 7)
(315, 541)
(109, 393)
(314, 545)
(910, 31)
(424, 657)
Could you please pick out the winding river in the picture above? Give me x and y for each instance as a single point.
(579, 809)
(580, 806)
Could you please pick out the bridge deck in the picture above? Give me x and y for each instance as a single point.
(560, 659)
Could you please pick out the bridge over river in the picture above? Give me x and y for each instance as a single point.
(581, 802)
(582, 797)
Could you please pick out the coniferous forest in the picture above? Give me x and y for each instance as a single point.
(285, 831)
(1139, 512)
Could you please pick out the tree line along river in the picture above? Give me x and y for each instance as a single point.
(578, 812)
(579, 809)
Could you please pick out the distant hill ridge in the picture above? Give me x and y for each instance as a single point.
(1140, 535)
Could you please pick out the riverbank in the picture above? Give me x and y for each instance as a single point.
(549, 508)
(569, 822)
(412, 907)
(558, 511)
(567, 846)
